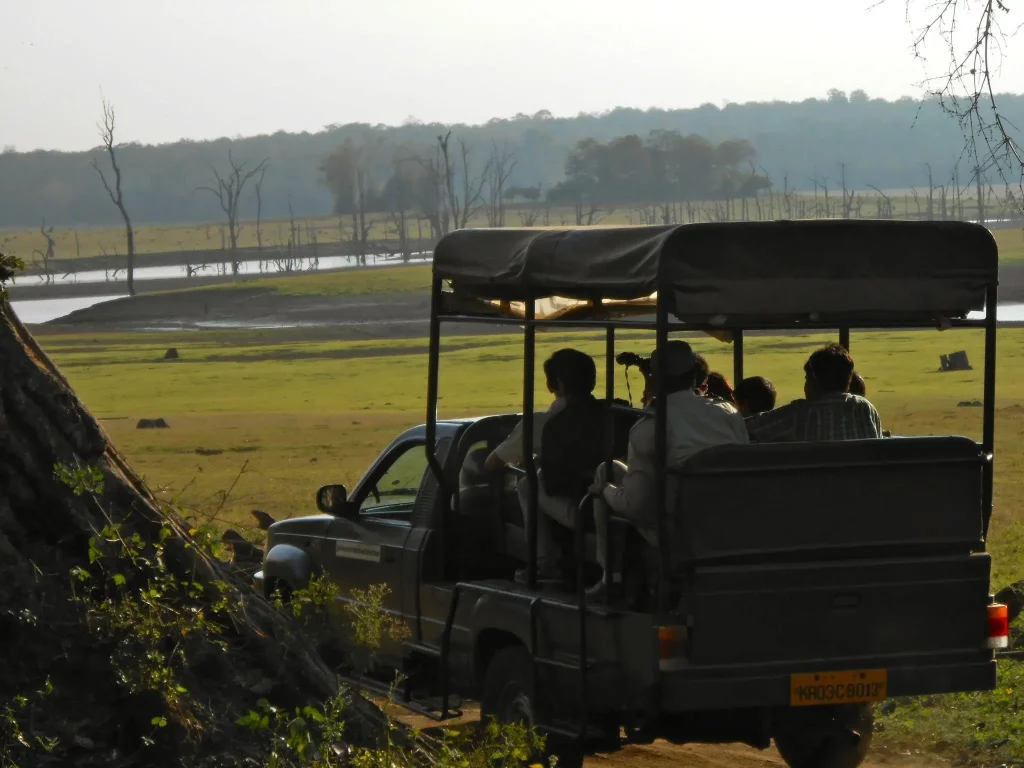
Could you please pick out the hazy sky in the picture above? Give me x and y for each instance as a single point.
(208, 68)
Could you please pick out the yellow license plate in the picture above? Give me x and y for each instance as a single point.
(817, 688)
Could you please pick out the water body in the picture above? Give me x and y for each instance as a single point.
(268, 266)
(44, 310)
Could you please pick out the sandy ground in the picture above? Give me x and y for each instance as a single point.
(661, 754)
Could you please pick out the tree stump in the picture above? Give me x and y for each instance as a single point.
(46, 531)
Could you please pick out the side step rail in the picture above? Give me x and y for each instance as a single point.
(419, 707)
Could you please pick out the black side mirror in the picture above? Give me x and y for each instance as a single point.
(332, 499)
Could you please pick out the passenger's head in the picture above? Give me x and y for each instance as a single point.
(719, 386)
(828, 371)
(754, 395)
(681, 367)
(703, 374)
(857, 385)
(570, 373)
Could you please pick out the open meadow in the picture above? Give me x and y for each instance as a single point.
(260, 419)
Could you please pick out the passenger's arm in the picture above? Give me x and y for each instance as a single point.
(509, 452)
(876, 422)
(494, 462)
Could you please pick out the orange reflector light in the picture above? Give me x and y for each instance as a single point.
(998, 626)
(671, 642)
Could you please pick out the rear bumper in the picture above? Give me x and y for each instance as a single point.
(694, 689)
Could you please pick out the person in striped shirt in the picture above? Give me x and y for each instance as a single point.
(827, 412)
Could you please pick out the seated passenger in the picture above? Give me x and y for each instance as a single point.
(511, 449)
(754, 395)
(570, 441)
(828, 412)
(694, 422)
(719, 386)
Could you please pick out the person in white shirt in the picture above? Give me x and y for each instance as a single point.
(569, 373)
(694, 422)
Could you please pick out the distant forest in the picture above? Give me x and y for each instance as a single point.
(624, 156)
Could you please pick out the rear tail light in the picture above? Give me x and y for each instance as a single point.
(671, 647)
(998, 626)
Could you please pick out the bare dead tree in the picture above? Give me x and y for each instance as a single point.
(847, 196)
(528, 216)
(293, 233)
(930, 211)
(974, 36)
(228, 190)
(502, 164)
(106, 129)
(462, 208)
(883, 203)
(45, 258)
(259, 210)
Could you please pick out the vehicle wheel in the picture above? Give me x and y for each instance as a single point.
(507, 693)
(508, 696)
(824, 737)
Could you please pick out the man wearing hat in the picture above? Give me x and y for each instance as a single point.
(694, 423)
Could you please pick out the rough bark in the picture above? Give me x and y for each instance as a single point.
(45, 531)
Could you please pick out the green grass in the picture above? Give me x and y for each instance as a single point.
(288, 413)
(352, 282)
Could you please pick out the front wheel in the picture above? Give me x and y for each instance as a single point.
(824, 737)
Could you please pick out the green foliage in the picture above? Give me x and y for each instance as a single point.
(319, 593)
(131, 598)
(80, 479)
(306, 737)
(371, 623)
(17, 735)
(664, 167)
(9, 267)
(151, 616)
(314, 737)
(980, 728)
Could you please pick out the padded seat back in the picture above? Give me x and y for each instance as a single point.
(784, 499)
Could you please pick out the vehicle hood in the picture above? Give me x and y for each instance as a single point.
(313, 526)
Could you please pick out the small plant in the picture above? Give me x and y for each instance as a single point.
(9, 267)
(15, 737)
(370, 622)
(131, 598)
(79, 479)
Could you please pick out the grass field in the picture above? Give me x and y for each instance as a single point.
(101, 241)
(354, 282)
(261, 419)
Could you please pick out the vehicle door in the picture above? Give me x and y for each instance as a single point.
(366, 545)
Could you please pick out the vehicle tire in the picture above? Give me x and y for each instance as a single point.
(824, 737)
(507, 693)
(508, 696)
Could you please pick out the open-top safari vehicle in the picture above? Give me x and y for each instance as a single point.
(795, 584)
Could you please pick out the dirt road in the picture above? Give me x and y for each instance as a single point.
(661, 754)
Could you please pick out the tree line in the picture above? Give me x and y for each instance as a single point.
(882, 143)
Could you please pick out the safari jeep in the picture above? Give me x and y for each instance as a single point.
(797, 583)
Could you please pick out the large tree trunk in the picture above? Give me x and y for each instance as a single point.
(47, 631)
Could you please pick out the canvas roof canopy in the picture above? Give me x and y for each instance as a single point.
(737, 274)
